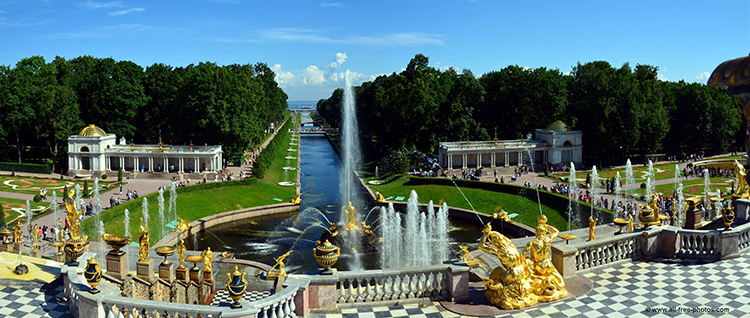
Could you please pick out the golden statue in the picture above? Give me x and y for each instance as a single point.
(743, 190)
(630, 223)
(181, 253)
(280, 263)
(501, 216)
(653, 203)
(73, 216)
(351, 217)
(18, 234)
(143, 243)
(60, 230)
(208, 259)
(592, 228)
(467, 255)
(35, 235)
(509, 285)
(547, 282)
(379, 197)
(297, 199)
(182, 226)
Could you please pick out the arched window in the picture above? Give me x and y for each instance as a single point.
(567, 143)
(84, 149)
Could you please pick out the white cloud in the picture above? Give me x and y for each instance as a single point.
(124, 12)
(703, 76)
(339, 59)
(312, 82)
(662, 75)
(331, 4)
(317, 36)
(107, 31)
(313, 75)
(282, 77)
(100, 5)
(444, 67)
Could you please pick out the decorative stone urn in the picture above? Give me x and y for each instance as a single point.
(728, 217)
(93, 275)
(326, 254)
(646, 217)
(236, 286)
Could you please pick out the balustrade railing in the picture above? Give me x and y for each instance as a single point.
(127, 308)
(607, 251)
(378, 285)
(744, 237)
(699, 244)
(280, 305)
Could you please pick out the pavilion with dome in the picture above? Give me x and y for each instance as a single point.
(94, 152)
(556, 144)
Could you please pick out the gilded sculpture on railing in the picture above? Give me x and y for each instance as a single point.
(208, 259)
(76, 244)
(351, 217)
(143, 243)
(592, 228)
(743, 190)
(522, 282)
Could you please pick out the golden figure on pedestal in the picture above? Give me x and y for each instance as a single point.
(630, 223)
(18, 234)
(208, 259)
(297, 199)
(592, 228)
(143, 243)
(76, 244)
(743, 190)
(280, 263)
(181, 253)
(35, 236)
(351, 218)
(522, 282)
(379, 197)
(467, 255)
(182, 226)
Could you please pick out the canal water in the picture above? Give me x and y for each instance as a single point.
(263, 238)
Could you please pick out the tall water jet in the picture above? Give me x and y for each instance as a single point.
(442, 234)
(706, 189)
(127, 223)
(533, 173)
(144, 210)
(679, 207)
(377, 175)
(572, 189)
(55, 210)
(617, 188)
(424, 259)
(649, 192)
(97, 203)
(629, 178)
(78, 197)
(160, 203)
(412, 227)
(652, 176)
(349, 141)
(594, 185)
(173, 201)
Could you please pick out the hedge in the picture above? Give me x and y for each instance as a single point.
(553, 200)
(265, 158)
(25, 167)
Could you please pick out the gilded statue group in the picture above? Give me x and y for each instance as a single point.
(524, 278)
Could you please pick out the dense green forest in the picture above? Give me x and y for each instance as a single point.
(43, 103)
(622, 111)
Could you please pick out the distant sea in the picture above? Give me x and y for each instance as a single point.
(296, 104)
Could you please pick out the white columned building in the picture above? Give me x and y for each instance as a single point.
(556, 145)
(94, 152)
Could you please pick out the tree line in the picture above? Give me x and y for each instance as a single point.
(44, 103)
(621, 111)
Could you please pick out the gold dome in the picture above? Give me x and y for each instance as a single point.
(558, 126)
(92, 131)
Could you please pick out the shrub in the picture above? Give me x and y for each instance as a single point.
(546, 169)
(643, 185)
(119, 175)
(25, 167)
(85, 188)
(398, 162)
(2, 217)
(104, 177)
(37, 198)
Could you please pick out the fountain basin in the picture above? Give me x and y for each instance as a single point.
(286, 183)
(290, 158)
(375, 182)
(289, 168)
(291, 150)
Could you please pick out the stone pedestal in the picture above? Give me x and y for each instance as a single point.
(181, 274)
(60, 258)
(8, 248)
(208, 279)
(564, 259)
(693, 219)
(165, 272)
(117, 266)
(145, 270)
(195, 275)
(37, 254)
(16, 248)
(741, 209)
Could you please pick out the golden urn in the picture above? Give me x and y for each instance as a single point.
(165, 251)
(116, 243)
(646, 217)
(728, 216)
(236, 286)
(93, 275)
(6, 235)
(326, 254)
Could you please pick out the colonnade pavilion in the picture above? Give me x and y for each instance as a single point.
(93, 151)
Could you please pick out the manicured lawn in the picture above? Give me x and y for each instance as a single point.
(15, 208)
(482, 200)
(692, 187)
(209, 199)
(33, 185)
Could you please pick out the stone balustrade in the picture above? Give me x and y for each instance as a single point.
(696, 244)
(378, 285)
(607, 251)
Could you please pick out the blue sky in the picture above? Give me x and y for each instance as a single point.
(310, 43)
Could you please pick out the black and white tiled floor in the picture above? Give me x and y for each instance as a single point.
(624, 290)
(222, 296)
(32, 301)
(636, 289)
